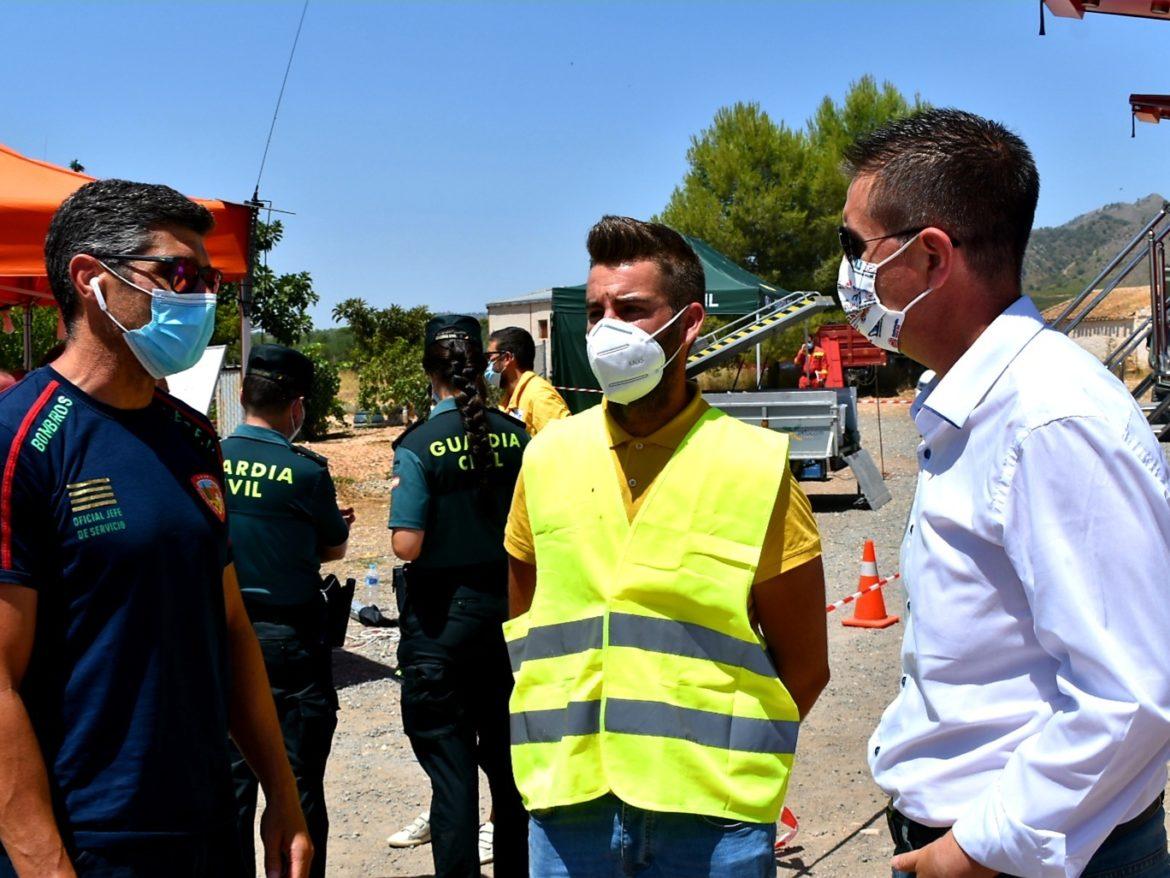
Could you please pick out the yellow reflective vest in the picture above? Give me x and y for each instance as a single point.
(637, 669)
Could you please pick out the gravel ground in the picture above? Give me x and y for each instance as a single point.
(374, 785)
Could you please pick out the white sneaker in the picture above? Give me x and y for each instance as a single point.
(487, 834)
(418, 832)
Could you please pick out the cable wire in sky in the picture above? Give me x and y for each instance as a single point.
(279, 98)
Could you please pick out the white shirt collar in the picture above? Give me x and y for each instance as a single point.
(954, 396)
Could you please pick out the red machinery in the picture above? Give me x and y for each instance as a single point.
(845, 348)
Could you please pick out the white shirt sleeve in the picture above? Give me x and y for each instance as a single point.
(1086, 525)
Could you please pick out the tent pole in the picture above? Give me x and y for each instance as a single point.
(246, 286)
(245, 335)
(759, 377)
(28, 363)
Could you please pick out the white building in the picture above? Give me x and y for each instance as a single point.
(531, 311)
(1111, 322)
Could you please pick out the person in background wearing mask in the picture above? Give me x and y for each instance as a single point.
(126, 657)
(653, 540)
(285, 523)
(452, 482)
(1031, 729)
(511, 354)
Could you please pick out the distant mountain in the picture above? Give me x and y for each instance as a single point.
(1060, 261)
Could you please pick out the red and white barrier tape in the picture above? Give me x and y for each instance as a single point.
(839, 604)
(786, 830)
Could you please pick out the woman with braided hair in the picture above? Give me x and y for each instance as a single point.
(454, 474)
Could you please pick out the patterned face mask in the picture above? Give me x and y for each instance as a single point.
(857, 290)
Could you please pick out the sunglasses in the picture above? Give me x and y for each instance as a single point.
(854, 247)
(182, 273)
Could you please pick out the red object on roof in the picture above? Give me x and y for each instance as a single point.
(1150, 108)
(1157, 9)
(31, 191)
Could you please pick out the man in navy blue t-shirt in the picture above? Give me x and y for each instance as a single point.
(125, 653)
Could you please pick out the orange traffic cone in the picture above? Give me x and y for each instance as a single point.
(870, 609)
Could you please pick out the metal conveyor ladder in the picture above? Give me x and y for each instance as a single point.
(1148, 246)
(727, 341)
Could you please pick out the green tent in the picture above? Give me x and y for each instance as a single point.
(570, 365)
(732, 291)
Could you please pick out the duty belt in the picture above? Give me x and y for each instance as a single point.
(304, 618)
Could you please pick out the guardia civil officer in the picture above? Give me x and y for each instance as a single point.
(452, 486)
(285, 522)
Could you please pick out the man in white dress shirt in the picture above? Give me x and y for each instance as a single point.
(1032, 728)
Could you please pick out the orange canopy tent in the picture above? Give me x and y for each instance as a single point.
(30, 191)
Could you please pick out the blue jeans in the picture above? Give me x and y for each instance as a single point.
(606, 838)
(1139, 853)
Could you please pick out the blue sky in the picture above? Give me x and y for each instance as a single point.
(449, 154)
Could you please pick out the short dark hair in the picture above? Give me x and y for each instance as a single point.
(517, 342)
(969, 176)
(618, 239)
(265, 396)
(112, 216)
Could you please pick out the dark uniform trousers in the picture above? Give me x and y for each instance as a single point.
(300, 672)
(201, 856)
(456, 681)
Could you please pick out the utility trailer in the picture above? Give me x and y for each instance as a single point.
(822, 424)
(822, 429)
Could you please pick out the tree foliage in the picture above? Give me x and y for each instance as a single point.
(44, 337)
(388, 343)
(280, 303)
(769, 196)
(322, 404)
(280, 310)
(338, 344)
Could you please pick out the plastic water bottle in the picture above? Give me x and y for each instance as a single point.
(371, 581)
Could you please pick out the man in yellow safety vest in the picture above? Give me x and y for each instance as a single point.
(667, 595)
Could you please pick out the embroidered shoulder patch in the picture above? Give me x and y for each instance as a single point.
(208, 489)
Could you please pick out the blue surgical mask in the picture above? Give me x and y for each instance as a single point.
(492, 377)
(180, 327)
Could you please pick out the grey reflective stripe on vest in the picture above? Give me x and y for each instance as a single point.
(687, 639)
(549, 641)
(700, 726)
(548, 726)
(657, 720)
(641, 632)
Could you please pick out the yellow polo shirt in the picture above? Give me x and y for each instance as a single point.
(790, 540)
(535, 402)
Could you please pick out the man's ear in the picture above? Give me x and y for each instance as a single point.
(693, 321)
(940, 253)
(84, 269)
